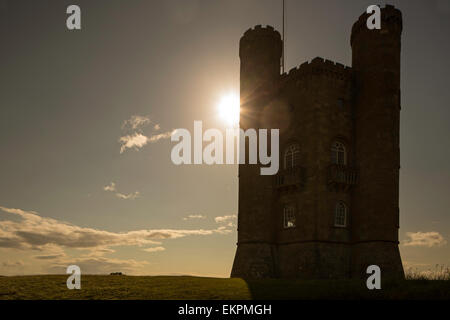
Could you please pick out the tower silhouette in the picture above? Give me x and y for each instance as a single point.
(332, 209)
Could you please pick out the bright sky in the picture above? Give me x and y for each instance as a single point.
(85, 170)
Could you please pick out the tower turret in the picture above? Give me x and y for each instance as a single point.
(260, 53)
(375, 214)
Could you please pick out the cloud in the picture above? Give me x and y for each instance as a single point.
(224, 219)
(112, 188)
(194, 216)
(6, 242)
(424, 239)
(49, 256)
(157, 137)
(99, 252)
(137, 140)
(33, 232)
(135, 137)
(154, 249)
(135, 122)
(131, 196)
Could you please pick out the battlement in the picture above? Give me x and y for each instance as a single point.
(389, 15)
(263, 44)
(260, 30)
(319, 66)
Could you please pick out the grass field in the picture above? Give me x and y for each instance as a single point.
(184, 287)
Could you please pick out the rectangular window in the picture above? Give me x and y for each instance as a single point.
(289, 217)
(340, 220)
(340, 215)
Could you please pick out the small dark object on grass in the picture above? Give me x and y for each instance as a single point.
(116, 274)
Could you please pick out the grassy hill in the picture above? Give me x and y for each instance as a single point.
(185, 287)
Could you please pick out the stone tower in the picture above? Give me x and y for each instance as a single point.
(332, 209)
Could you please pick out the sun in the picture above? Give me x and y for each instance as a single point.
(229, 109)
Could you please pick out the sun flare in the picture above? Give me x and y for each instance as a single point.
(229, 109)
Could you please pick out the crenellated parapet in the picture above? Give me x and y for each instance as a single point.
(334, 72)
(261, 30)
(255, 38)
(319, 67)
(390, 17)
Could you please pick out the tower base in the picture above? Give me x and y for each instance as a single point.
(384, 254)
(254, 261)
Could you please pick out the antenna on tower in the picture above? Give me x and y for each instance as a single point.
(283, 38)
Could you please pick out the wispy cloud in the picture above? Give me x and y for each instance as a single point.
(137, 140)
(136, 122)
(157, 137)
(223, 219)
(49, 256)
(226, 221)
(61, 243)
(154, 249)
(130, 196)
(134, 137)
(424, 239)
(194, 216)
(112, 188)
(34, 232)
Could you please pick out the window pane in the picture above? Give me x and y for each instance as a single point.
(289, 217)
(340, 215)
(338, 153)
(292, 156)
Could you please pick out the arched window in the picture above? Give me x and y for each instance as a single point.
(292, 156)
(338, 153)
(289, 217)
(340, 214)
